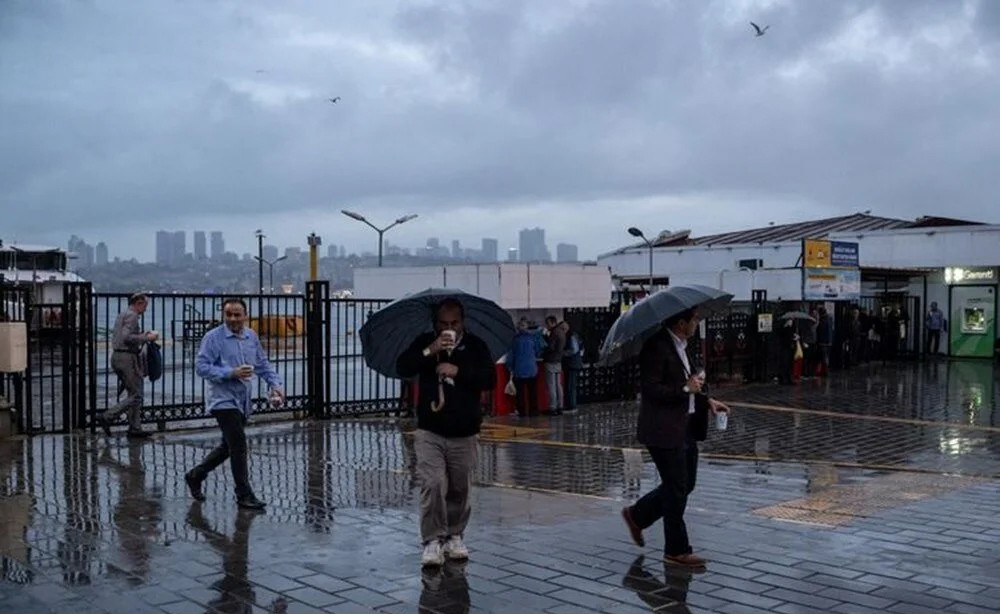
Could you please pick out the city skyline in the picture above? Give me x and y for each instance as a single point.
(171, 249)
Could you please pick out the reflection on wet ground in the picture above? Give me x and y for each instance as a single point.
(801, 506)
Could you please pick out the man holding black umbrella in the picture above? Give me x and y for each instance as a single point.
(673, 417)
(454, 367)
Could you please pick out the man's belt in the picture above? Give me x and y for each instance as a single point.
(126, 351)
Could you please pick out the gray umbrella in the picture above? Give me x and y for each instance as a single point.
(391, 329)
(643, 319)
(796, 315)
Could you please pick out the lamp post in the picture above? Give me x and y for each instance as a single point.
(260, 260)
(380, 231)
(635, 232)
(270, 269)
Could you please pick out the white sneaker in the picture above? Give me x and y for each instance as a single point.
(455, 548)
(433, 556)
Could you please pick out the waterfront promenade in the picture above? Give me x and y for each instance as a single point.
(875, 491)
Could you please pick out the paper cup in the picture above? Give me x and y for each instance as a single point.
(721, 420)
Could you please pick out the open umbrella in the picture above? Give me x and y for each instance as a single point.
(796, 315)
(643, 319)
(391, 329)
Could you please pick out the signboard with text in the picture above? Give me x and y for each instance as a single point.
(843, 254)
(831, 284)
(823, 254)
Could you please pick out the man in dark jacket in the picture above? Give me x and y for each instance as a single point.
(673, 417)
(453, 367)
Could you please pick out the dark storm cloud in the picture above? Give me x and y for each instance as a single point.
(119, 111)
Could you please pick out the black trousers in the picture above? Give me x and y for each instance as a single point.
(678, 469)
(933, 341)
(527, 395)
(233, 447)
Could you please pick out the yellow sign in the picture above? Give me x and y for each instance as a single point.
(816, 254)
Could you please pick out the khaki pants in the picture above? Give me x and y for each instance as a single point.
(445, 468)
(128, 368)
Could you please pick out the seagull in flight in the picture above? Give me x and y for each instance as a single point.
(760, 32)
(334, 100)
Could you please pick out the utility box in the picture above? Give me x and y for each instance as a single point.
(13, 347)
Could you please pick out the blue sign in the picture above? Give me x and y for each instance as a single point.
(843, 254)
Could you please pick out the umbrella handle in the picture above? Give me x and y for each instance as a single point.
(438, 405)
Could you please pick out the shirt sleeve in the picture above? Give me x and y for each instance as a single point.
(131, 325)
(264, 369)
(206, 364)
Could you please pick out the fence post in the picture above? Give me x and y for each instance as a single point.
(317, 341)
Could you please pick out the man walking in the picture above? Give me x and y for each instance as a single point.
(672, 419)
(552, 359)
(453, 367)
(935, 324)
(126, 345)
(229, 357)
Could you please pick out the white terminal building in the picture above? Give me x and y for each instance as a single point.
(953, 263)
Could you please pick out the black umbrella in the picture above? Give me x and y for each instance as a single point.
(391, 329)
(643, 319)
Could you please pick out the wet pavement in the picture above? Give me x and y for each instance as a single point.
(876, 491)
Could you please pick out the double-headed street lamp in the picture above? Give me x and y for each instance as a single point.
(635, 232)
(380, 231)
(270, 269)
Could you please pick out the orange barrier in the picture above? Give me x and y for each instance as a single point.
(279, 326)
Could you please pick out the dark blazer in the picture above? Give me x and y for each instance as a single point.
(664, 421)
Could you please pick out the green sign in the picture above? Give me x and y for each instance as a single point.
(972, 329)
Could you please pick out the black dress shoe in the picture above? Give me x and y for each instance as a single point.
(194, 485)
(250, 502)
(138, 434)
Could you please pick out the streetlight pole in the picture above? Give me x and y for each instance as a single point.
(260, 261)
(270, 269)
(635, 232)
(380, 231)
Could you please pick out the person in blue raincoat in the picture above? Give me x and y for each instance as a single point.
(522, 363)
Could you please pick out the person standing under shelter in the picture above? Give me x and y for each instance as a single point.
(522, 363)
(672, 419)
(572, 364)
(935, 325)
(127, 341)
(229, 357)
(552, 358)
(454, 367)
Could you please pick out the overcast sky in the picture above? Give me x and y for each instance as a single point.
(119, 117)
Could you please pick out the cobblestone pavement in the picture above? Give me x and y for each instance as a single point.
(873, 492)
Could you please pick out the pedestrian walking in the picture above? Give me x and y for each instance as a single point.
(673, 417)
(454, 367)
(229, 357)
(127, 341)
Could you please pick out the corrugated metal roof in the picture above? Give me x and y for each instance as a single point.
(814, 229)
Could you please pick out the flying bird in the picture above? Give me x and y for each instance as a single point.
(760, 32)
(261, 71)
(334, 100)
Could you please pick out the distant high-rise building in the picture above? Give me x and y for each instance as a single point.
(531, 246)
(218, 245)
(343, 251)
(270, 253)
(293, 253)
(101, 254)
(164, 247)
(200, 245)
(489, 251)
(332, 251)
(512, 254)
(178, 247)
(81, 251)
(566, 252)
(456, 249)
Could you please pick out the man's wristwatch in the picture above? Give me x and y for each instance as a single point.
(427, 351)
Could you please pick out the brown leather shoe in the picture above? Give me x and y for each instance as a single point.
(690, 561)
(633, 528)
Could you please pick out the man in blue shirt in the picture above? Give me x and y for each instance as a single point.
(935, 324)
(229, 357)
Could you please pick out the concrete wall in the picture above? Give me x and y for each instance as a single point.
(511, 285)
